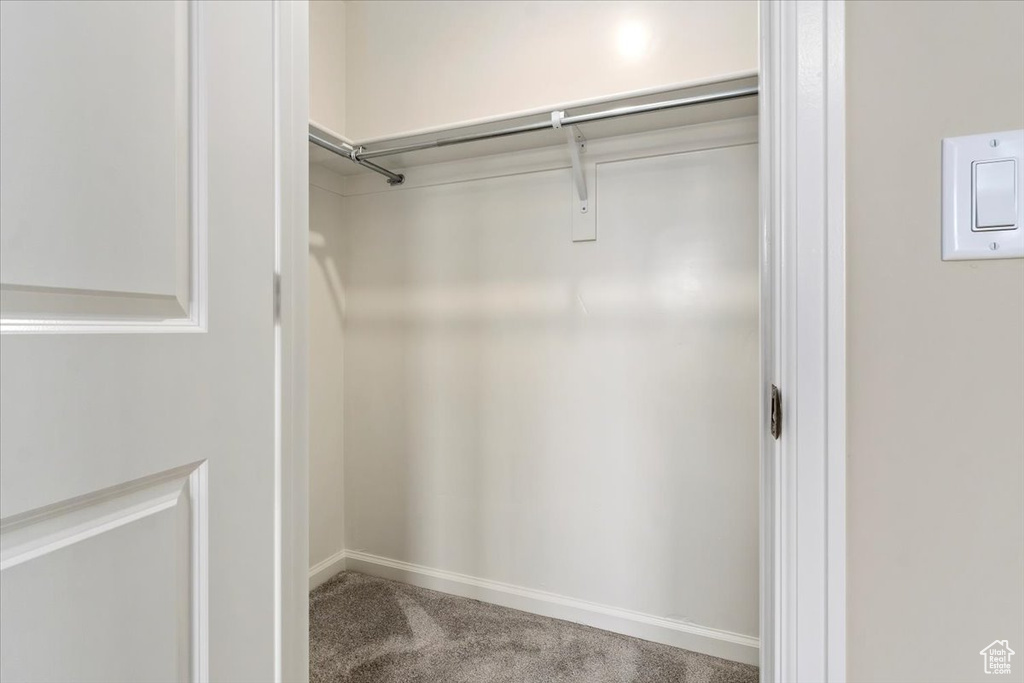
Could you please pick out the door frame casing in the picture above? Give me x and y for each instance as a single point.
(803, 331)
(291, 281)
(803, 351)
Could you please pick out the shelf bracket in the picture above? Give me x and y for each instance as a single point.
(577, 146)
(584, 223)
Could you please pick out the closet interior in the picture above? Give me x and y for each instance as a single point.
(534, 337)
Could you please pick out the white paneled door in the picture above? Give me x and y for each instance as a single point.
(137, 385)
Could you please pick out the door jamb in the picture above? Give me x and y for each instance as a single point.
(291, 281)
(803, 331)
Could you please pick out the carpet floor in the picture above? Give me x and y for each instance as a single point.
(364, 629)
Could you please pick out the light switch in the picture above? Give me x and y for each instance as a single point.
(983, 196)
(995, 194)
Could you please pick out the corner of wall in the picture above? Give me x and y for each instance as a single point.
(326, 354)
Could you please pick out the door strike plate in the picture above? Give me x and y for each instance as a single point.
(776, 412)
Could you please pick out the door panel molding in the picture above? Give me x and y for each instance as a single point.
(64, 302)
(35, 534)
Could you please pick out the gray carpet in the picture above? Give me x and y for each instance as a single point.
(363, 629)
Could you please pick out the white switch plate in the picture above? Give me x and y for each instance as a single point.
(960, 238)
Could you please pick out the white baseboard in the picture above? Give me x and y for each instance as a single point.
(725, 644)
(325, 569)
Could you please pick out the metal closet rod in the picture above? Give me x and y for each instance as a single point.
(558, 119)
(353, 155)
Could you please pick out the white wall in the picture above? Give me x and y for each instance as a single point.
(326, 376)
(574, 418)
(936, 351)
(416, 65)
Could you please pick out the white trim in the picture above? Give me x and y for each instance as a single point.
(333, 133)
(803, 476)
(690, 636)
(395, 138)
(768, 122)
(325, 569)
(279, 209)
(199, 512)
(679, 140)
(835, 126)
(291, 513)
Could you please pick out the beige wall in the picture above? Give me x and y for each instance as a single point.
(416, 65)
(936, 351)
(327, 64)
